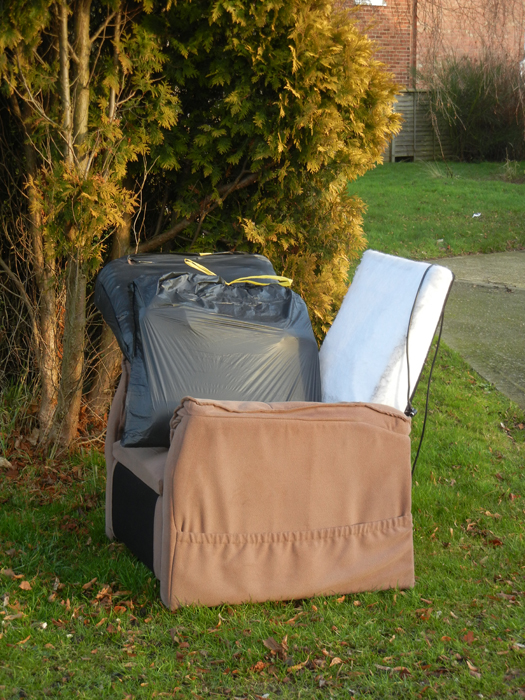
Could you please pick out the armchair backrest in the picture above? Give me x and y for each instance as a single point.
(364, 355)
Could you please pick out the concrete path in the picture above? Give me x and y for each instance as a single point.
(485, 317)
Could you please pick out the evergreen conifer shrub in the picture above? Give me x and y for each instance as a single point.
(282, 104)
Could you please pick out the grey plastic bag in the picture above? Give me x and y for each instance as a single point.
(198, 336)
(114, 297)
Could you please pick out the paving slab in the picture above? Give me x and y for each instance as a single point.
(485, 317)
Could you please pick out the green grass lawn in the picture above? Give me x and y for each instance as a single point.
(418, 210)
(80, 617)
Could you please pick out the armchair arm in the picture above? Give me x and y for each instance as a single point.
(280, 501)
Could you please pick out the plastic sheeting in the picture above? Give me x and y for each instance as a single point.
(364, 355)
(114, 298)
(197, 336)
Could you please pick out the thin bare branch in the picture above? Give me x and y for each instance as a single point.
(72, 53)
(65, 88)
(113, 92)
(208, 204)
(23, 295)
(30, 99)
(103, 27)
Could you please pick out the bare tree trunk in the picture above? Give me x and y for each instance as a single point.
(65, 424)
(107, 368)
(45, 272)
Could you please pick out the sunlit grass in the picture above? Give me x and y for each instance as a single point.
(426, 210)
(458, 634)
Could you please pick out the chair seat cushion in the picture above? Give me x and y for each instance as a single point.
(147, 463)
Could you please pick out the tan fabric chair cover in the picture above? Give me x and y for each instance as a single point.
(282, 501)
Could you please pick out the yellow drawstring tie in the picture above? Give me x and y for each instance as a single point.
(283, 281)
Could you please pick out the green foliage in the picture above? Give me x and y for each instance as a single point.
(481, 102)
(80, 203)
(282, 103)
(82, 208)
(220, 124)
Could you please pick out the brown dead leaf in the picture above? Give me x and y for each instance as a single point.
(335, 661)
(25, 585)
(23, 641)
(357, 603)
(292, 620)
(402, 670)
(8, 618)
(7, 572)
(89, 584)
(424, 613)
(341, 599)
(297, 667)
(272, 644)
(468, 638)
(258, 667)
(506, 596)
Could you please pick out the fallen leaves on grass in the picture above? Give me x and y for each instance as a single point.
(25, 585)
(469, 637)
(275, 648)
(10, 573)
(258, 667)
(292, 620)
(297, 667)
(16, 616)
(402, 670)
(336, 660)
(473, 670)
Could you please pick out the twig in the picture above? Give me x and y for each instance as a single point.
(102, 27)
(223, 191)
(23, 295)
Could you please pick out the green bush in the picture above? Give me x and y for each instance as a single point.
(480, 102)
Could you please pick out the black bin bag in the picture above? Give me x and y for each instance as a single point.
(198, 336)
(113, 295)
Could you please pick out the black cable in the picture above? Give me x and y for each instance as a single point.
(428, 392)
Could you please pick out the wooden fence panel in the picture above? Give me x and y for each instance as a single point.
(417, 139)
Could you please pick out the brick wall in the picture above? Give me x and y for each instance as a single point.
(390, 27)
(470, 27)
(443, 27)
